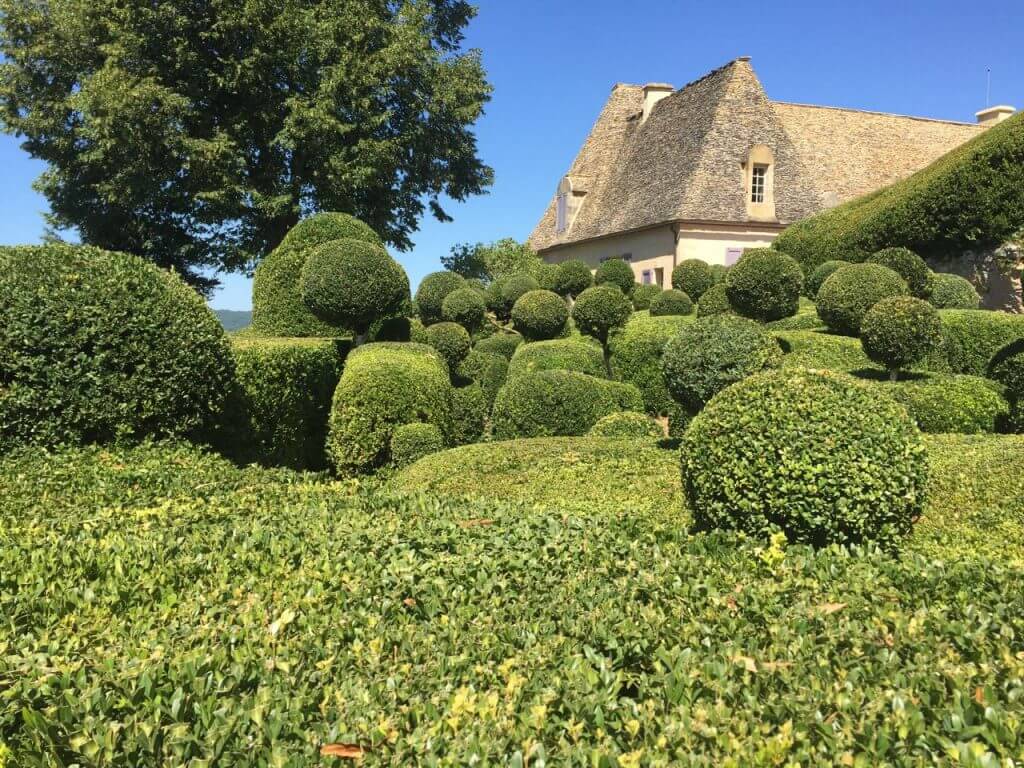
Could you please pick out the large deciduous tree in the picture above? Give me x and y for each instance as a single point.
(197, 132)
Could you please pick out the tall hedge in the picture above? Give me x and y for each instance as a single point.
(972, 337)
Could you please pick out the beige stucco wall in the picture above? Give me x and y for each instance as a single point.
(711, 244)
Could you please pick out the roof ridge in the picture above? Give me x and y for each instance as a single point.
(874, 112)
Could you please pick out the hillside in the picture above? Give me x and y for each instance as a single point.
(232, 319)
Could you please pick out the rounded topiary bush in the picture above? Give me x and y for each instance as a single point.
(501, 343)
(628, 425)
(765, 285)
(643, 295)
(277, 305)
(711, 353)
(411, 442)
(822, 273)
(486, 369)
(540, 315)
(718, 272)
(900, 331)
(464, 306)
(574, 277)
(816, 455)
(504, 292)
(615, 272)
(558, 355)
(547, 276)
(953, 292)
(636, 358)
(451, 340)
(1007, 367)
(598, 311)
(963, 404)
(912, 268)
(715, 301)
(847, 295)
(671, 302)
(433, 290)
(553, 403)
(98, 346)
(693, 277)
(973, 337)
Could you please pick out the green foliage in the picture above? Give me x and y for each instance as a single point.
(694, 277)
(971, 198)
(765, 285)
(202, 130)
(900, 331)
(671, 302)
(715, 301)
(846, 296)
(820, 274)
(384, 386)
(464, 306)
(598, 311)
(711, 353)
(432, 291)
(953, 292)
(450, 340)
(973, 338)
(615, 272)
(98, 346)
(411, 442)
(816, 455)
(557, 355)
(636, 358)
(965, 404)
(643, 295)
(486, 369)
(806, 319)
(504, 292)
(501, 343)
(539, 315)
(819, 349)
(627, 425)
(1007, 367)
(547, 276)
(574, 277)
(718, 272)
(552, 403)
(277, 305)
(908, 265)
(470, 411)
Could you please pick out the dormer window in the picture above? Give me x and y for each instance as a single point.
(758, 183)
(568, 200)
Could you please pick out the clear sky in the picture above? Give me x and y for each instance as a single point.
(553, 64)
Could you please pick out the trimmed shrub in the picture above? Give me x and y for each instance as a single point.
(693, 277)
(98, 346)
(953, 292)
(597, 311)
(384, 386)
(846, 296)
(765, 285)
(470, 410)
(822, 273)
(671, 302)
(900, 331)
(412, 442)
(433, 290)
(973, 337)
(501, 343)
(643, 295)
(904, 262)
(451, 340)
(615, 272)
(627, 425)
(1007, 367)
(551, 403)
(715, 301)
(504, 292)
(718, 272)
(557, 355)
(464, 306)
(818, 349)
(574, 277)
(636, 358)
(547, 276)
(392, 328)
(816, 455)
(351, 283)
(710, 354)
(277, 305)
(966, 404)
(486, 369)
(540, 315)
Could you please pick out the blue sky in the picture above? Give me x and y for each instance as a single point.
(553, 64)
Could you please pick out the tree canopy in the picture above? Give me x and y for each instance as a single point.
(491, 261)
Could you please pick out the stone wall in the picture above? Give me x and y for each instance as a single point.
(995, 273)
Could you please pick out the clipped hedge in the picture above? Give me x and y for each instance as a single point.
(540, 315)
(694, 277)
(98, 346)
(820, 274)
(411, 442)
(643, 295)
(671, 302)
(964, 404)
(557, 354)
(464, 306)
(636, 358)
(615, 272)
(818, 349)
(715, 301)
(765, 285)
(451, 341)
(471, 409)
(1007, 367)
(432, 291)
(552, 403)
(900, 331)
(973, 337)
(953, 292)
(574, 277)
(486, 369)
(846, 296)
(904, 262)
(501, 343)
(627, 425)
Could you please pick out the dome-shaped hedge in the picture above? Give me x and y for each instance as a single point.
(636, 358)
(615, 272)
(821, 274)
(715, 301)
(277, 306)
(1007, 367)
(846, 296)
(464, 306)
(671, 302)
(643, 295)
(574, 277)
(817, 455)
(693, 277)
(558, 355)
(628, 425)
(412, 442)
(912, 268)
(900, 331)
(451, 340)
(539, 315)
(433, 290)
(953, 292)
(599, 309)
(98, 346)
(489, 371)
(504, 292)
(765, 285)
(546, 276)
(501, 343)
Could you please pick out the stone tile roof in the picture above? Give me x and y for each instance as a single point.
(683, 162)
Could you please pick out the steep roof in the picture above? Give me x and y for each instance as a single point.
(683, 162)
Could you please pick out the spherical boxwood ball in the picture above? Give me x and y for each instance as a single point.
(504, 292)
(464, 306)
(900, 331)
(547, 276)
(599, 309)
(433, 290)
(846, 296)
(708, 355)
(671, 302)
(715, 301)
(351, 283)
(98, 346)
(501, 343)
(539, 315)
(821, 274)
(816, 455)
(1007, 367)
(574, 277)
(615, 272)
(411, 442)
(953, 292)
(627, 425)
(765, 285)
(693, 277)
(908, 265)
(451, 340)
(643, 295)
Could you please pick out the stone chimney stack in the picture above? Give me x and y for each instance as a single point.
(994, 115)
(653, 93)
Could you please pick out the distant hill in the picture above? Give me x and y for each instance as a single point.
(232, 319)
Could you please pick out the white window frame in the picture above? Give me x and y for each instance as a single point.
(758, 183)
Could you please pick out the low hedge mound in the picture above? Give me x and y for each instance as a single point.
(846, 296)
(615, 272)
(671, 302)
(643, 295)
(715, 301)
(636, 358)
(973, 338)
(501, 343)
(765, 285)
(964, 404)
(540, 315)
(904, 262)
(432, 291)
(953, 292)
(627, 425)
(411, 442)
(557, 354)
(819, 349)
(693, 277)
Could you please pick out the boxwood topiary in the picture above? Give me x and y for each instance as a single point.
(627, 425)
(540, 315)
(504, 292)
(470, 410)
(615, 272)
(708, 355)
(817, 455)
(597, 312)
(382, 387)
(973, 337)
(558, 403)
(765, 285)
(466, 307)
(900, 331)
(411, 442)
(904, 262)
(1007, 367)
(643, 295)
(693, 277)
(277, 306)
(715, 301)
(820, 274)
(432, 291)
(846, 296)
(718, 272)
(953, 292)
(547, 276)
(636, 358)
(98, 346)
(671, 302)
(486, 369)
(965, 404)
(501, 343)
(574, 277)
(558, 354)
(451, 340)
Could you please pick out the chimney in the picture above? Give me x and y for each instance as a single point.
(994, 115)
(653, 93)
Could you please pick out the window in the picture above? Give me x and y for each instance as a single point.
(561, 212)
(648, 277)
(758, 184)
